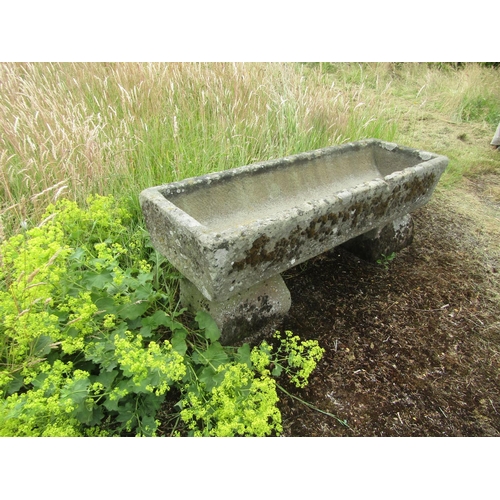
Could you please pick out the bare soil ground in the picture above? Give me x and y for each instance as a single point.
(412, 349)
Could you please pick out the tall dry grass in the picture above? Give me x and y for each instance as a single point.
(74, 129)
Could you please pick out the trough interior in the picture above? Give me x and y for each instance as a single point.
(259, 194)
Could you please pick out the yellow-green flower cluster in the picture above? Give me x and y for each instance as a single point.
(155, 367)
(42, 411)
(32, 266)
(241, 405)
(109, 321)
(303, 357)
(261, 358)
(72, 287)
(20, 333)
(195, 414)
(108, 256)
(81, 313)
(144, 267)
(32, 263)
(102, 216)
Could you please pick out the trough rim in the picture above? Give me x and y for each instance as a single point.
(157, 195)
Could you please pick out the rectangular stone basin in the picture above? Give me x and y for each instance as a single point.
(228, 231)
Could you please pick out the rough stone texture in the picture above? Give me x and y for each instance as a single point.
(391, 238)
(251, 313)
(230, 230)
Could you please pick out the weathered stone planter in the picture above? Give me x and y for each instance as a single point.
(232, 233)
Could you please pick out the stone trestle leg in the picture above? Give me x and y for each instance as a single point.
(373, 245)
(250, 313)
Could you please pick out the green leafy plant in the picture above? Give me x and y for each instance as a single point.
(385, 260)
(223, 395)
(91, 342)
(81, 326)
(296, 358)
(236, 394)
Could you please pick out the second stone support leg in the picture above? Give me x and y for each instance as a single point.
(393, 237)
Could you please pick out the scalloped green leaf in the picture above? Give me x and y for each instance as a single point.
(208, 324)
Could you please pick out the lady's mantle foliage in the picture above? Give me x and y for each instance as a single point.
(76, 329)
(87, 346)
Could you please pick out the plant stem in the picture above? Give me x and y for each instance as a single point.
(343, 422)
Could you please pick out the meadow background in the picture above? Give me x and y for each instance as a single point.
(86, 302)
(69, 130)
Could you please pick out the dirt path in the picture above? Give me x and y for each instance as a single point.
(414, 349)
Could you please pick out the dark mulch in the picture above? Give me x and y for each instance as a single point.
(411, 350)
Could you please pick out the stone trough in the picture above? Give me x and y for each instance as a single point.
(232, 233)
